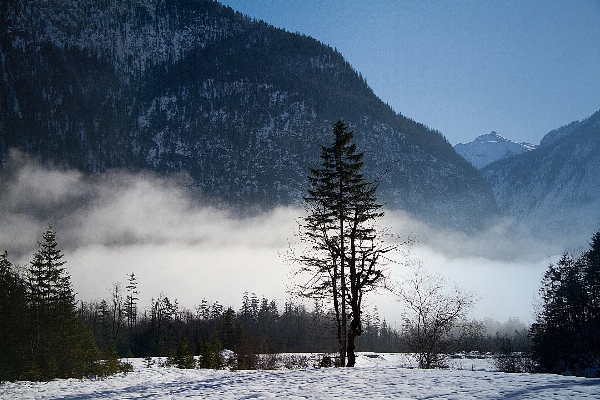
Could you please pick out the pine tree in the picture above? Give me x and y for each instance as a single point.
(183, 356)
(210, 353)
(591, 273)
(566, 333)
(591, 276)
(131, 305)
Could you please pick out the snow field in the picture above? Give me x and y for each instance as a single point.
(388, 376)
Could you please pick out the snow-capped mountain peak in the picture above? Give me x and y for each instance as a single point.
(490, 137)
(490, 147)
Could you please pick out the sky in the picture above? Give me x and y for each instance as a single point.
(465, 68)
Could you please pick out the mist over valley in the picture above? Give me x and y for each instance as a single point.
(179, 244)
(173, 140)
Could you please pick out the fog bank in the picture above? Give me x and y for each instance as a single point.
(180, 245)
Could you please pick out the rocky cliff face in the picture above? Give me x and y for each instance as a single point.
(193, 87)
(554, 189)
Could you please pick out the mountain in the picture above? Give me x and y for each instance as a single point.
(486, 149)
(554, 189)
(193, 87)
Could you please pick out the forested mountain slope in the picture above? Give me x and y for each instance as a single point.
(555, 188)
(193, 86)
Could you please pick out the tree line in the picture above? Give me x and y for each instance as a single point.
(259, 326)
(566, 332)
(45, 333)
(41, 333)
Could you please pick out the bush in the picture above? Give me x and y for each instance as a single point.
(514, 363)
(271, 362)
(293, 361)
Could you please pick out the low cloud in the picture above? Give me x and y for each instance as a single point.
(111, 225)
(178, 243)
(503, 264)
(504, 241)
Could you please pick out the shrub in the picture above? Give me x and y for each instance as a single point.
(183, 357)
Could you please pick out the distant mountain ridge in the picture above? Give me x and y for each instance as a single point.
(557, 134)
(488, 148)
(554, 189)
(193, 87)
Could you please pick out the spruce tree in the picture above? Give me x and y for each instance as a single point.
(60, 344)
(344, 246)
(591, 276)
(591, 272)
(566, 333)
(131, 305)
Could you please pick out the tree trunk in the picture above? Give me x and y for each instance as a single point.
(343, 287)
(352, 334)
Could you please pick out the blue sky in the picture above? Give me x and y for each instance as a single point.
(464, 67)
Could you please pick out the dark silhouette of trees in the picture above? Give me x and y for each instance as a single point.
(566, 333)
(41, 334)
(13, 321)
(131, 303)
(45, 334)
(345, 251)
(60, 344)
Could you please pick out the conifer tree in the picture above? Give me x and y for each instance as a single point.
(566, 333)
(60, 345)
(344, 253)
(210, 353)
(591, 273)
(131, 304)
(12, 321)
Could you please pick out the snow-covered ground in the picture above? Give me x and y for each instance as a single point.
(387, 376)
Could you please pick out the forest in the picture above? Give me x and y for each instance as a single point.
(46, 333)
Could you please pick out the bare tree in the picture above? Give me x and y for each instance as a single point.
(131, 303)
(117, 311)
(436, 316)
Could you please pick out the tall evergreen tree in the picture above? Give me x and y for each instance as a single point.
(131, 304)
(591, 272)
(344, 246)
(60, 345)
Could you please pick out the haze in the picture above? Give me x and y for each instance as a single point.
(177, 244)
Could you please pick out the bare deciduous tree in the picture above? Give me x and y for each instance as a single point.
(436, 316)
